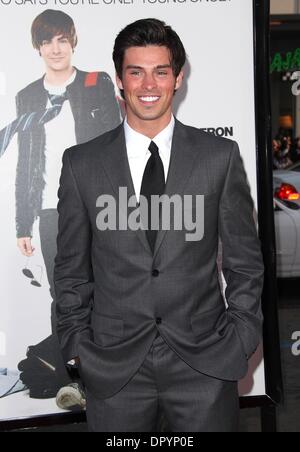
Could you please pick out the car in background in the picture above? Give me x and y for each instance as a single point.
(288, 176)
(287, 221)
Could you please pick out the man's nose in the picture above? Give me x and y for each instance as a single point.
(55, 47)
(149, 82)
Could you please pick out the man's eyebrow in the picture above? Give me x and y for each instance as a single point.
(162, 66)
(131, 66)
(62, 37)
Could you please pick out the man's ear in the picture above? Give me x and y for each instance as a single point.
(119, 83)
(179, 80)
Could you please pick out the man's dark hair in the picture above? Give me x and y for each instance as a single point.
(53, 23)
(147, 32)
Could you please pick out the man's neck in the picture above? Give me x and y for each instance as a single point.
(149, 128)
(58, 78)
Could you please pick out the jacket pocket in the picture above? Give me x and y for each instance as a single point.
(107, 331)
(208, 321)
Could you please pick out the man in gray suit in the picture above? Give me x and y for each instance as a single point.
(140, 309)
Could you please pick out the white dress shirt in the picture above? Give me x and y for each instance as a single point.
(138, 151)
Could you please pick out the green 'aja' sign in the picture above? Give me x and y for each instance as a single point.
(289, 62)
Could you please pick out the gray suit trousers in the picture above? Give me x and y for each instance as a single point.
(189, 400)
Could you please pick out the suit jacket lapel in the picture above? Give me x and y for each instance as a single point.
(181, 166)
(116, 165)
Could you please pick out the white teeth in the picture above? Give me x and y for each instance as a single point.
(149, 99)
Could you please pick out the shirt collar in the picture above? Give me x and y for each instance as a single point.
(138, 143)
(62, 88)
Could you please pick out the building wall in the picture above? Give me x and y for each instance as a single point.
(285, 6)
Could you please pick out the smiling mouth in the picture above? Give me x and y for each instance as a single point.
(148, 100)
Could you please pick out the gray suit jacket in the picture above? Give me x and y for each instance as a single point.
(110, 302)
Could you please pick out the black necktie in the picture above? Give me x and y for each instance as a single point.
(153, 184)
(28, 120)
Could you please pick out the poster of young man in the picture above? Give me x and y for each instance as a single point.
(62, 55)
(64, 107)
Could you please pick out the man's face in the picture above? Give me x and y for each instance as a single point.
(57, 53)
(148, 82)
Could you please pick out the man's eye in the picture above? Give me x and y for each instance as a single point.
(162, 73)
(135, 73)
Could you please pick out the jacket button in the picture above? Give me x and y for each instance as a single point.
(155, 273)
(158, 321)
